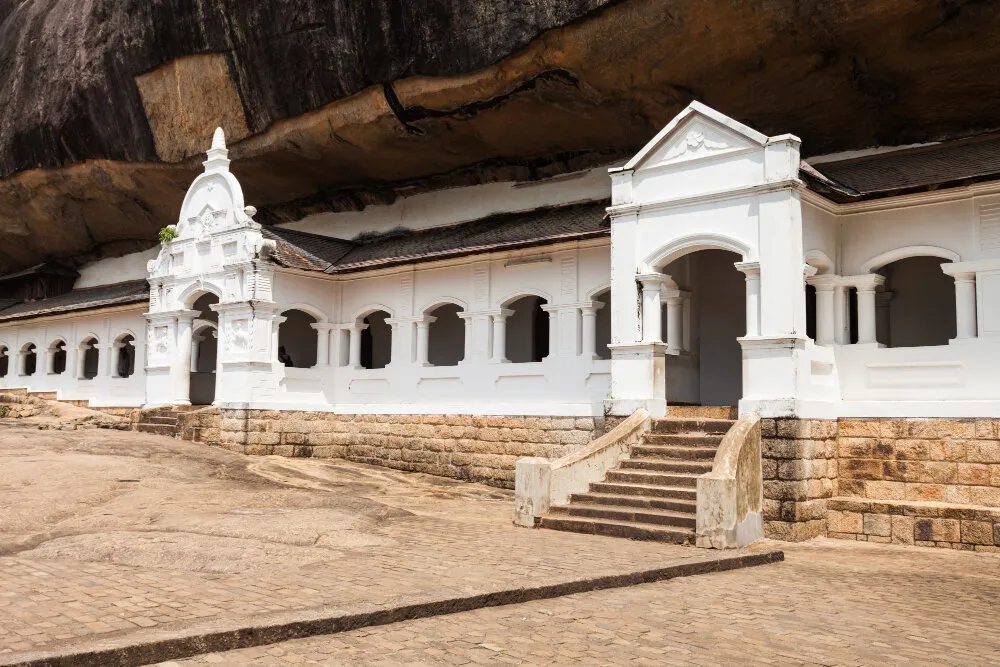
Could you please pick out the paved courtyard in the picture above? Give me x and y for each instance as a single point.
(829, 603)
(111, 538)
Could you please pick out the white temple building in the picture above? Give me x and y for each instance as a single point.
(715, 268)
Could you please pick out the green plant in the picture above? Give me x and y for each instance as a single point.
(4, 412)
(167, 234)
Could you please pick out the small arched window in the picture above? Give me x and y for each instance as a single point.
(376, 340)
(90, 359)
(57, 357)
(29, 360)
(527, 330)
(4, 361)
(125, 356)
(446, 336)
(297, 340)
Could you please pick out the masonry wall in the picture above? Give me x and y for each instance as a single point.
(476, 448)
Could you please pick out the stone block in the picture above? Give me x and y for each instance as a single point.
(958, 494)
(985, 495)
(861, 468)
(878, 524)
(983, 451)
(785, 490)
(844, 522)
(857, 448)
(777, 448)
(942, 428)
(977, 532)
(902, 529)
(988, 429)
(975, 474)
(263, 438)
(794, 428)
(563, 424)
(772, 510)
(901, 471)
(937, 530)
(918, 450)
(584, 423)
(937, 472)
(851, 487)
(806, 510)
(858, 428)
(793, 531)
(768, 428)
(934, 492)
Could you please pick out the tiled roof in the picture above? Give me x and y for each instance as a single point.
(503, 231)
(907, 170)
(133, 291)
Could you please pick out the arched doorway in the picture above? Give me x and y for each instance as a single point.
(204, 350)
(709, 295)
(376, 340)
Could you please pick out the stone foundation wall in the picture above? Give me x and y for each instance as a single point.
(478, 448)
(799, 466)
(939, 460)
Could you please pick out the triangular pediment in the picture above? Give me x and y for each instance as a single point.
(699, 132)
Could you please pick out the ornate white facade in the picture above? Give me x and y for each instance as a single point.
(719, 264)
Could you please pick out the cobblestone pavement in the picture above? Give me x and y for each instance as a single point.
(830, 603)
(105, 536)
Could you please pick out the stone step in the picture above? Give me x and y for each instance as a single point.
(674, 453)
(703, 411)
(634, 531)
(155, 419)
(44, 395)
(693, 426)
(654, 502)
(682, 439)
(157, 429)
(648, 477)
(644, 490)
(627, 513)
(667, 465)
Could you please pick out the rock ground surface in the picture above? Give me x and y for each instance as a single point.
(106, 535)
(828, 604)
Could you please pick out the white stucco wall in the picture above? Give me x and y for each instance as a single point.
(115, 270)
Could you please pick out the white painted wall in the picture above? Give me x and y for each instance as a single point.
(115, 270)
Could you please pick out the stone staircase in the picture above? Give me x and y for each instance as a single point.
(651, 495)
(162, 421)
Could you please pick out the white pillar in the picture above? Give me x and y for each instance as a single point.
(826, 307)
(276, 323)
(423, 340)
(652, 320)
(195, 349)
(182, 379)
(470, 340)
(588, 313)
(841, 315)
(675, 321)
(499, 355)
(965, 305)
(81, 360)
(322, 342)
(866, 286)
(752, 272)
(355, 345)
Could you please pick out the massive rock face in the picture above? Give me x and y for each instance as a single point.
(338, 103)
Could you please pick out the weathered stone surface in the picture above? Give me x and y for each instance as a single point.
(346, 103)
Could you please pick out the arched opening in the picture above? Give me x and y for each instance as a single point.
(811, 311)
(446, 336)
(204, 355)
(29, 360)
(917, 307)
(90, 355)
(297, 340)
(57, 356)
(4, 361)
(709, 368)
(527, 331)
(125, 359)
(603, 326)
(376, 340)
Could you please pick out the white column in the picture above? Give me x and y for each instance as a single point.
(355, 345)
(50, 361)
(965, 305)
(276, 323)
(114, 353)
(752, 272)
(322, 342)
(182, 379)
(470, 341)
(841, 315)
(195, 349)
(588, 313)
(499, 355)
(652, 323)
(826, 307)
(423, 340)
(866, 286)
(81, 360)
(675, 321)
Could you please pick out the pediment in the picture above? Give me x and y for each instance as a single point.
(697, 133)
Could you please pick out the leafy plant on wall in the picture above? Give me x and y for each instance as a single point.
(167, 234)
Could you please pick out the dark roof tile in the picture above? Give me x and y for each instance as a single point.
(133, 291)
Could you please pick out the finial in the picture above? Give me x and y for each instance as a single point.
(219, 139)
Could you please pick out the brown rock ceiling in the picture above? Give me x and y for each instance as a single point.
(575, 88)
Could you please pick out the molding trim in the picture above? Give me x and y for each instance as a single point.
(789, 184)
